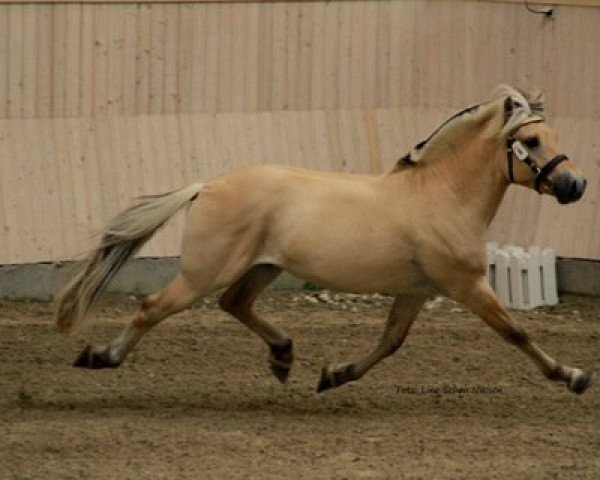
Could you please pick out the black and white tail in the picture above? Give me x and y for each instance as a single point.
(121, 239)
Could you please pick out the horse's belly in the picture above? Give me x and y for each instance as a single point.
(368, 274)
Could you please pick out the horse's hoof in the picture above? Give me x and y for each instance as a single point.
(84, 359)
(94, 360)
(334, 377)
(280, 371)
(581, 382)
(325, 382)
(280, 360)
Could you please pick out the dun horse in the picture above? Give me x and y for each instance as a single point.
(413, 232)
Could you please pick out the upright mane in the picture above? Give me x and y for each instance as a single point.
(524, 105)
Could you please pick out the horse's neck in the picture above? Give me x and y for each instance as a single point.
(477, 121)
(463, 163)
(473, 177)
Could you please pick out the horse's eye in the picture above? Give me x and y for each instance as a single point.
(532, 142)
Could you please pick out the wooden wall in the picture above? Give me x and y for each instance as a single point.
(93, 59)
(101, 102)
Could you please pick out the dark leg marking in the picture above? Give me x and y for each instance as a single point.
(280, 360)
(517, 337)
(335, 378)
(94, 360)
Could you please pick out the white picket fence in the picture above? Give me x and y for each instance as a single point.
(522, 279)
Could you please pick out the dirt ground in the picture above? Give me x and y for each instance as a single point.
(195, 399)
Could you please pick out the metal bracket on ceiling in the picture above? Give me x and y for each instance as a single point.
(547, 11)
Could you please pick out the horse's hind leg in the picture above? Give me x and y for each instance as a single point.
(158, 306)
(238, 299)
(480, 298)
(401, 317)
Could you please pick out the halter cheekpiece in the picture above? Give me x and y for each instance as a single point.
(514, 148)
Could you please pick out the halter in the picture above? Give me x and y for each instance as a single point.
(515, 148)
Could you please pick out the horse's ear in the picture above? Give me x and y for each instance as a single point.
(509, 108)
(536, 102)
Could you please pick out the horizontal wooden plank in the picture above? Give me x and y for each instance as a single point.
(553, 3)
(573, 3)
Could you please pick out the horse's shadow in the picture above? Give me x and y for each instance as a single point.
(294, 403)
(171, 405)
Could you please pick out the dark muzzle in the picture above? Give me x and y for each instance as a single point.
(567, 187)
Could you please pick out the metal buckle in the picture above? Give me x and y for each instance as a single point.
(519, 150)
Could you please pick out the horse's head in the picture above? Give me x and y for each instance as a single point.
(535, 160)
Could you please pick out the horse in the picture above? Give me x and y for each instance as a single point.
(413, 232)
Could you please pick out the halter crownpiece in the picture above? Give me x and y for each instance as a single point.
(533, 118)
(515, 148)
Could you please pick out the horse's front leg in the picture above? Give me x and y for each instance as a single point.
(477, 295)
(401, 317)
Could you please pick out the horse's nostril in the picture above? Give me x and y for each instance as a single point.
(574, 189)
(577, 188)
